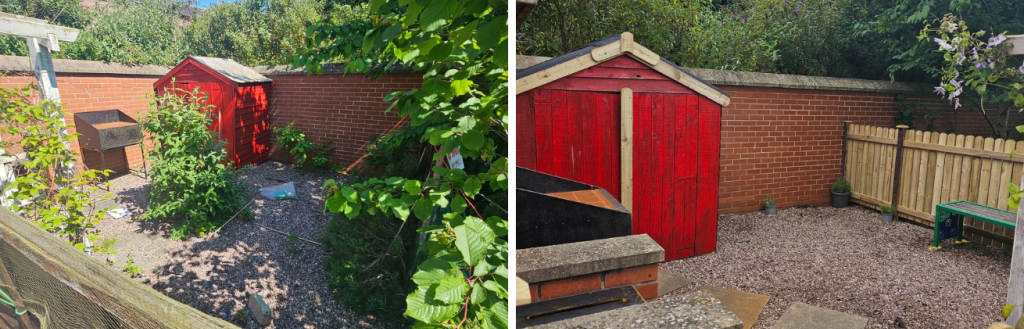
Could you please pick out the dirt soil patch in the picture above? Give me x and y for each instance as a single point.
(848, 260)
(216, 273)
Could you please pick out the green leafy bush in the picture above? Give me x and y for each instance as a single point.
(368, 264)
(887, 209)
(46, 189)
(306, 154)
(191, 176)
(841, 186)
(769, 201)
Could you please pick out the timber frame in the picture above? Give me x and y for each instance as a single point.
(608, 49)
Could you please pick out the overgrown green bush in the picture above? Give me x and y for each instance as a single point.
(307, 155)
(191, 176)
(398, 154)
(368, 264)
(47, 190)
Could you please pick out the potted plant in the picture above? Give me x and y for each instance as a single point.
(887, 212)
(769, 205)
(841, 193)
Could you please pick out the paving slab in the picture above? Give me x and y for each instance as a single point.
(669, 281)
(747, 306)
(696, 310)
(803, 316)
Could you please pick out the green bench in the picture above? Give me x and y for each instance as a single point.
(949, 219)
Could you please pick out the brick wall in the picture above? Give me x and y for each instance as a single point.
(346, 109)
(92, 92)
(787, 142)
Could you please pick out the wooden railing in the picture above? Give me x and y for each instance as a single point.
(933, 168)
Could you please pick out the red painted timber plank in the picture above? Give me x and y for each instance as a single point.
(615, 85)
(613, 149)
(639, 74)
(689, 176)
(526, 131)
(594, 104)
(707, 177)
(559, 134)
(577, 161)
(545, 146)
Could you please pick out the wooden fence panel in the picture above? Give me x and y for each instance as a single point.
(937, 168)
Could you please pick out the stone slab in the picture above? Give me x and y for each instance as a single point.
(747, 306)
(581, 258)
(803, 316)
(260, 310)
(669, 281)
(696, 310)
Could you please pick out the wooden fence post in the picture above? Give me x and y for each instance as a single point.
(1015, 292)
(901, 133)
(842, 159)
(626, 148)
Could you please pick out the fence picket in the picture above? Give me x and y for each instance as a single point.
(936, 168)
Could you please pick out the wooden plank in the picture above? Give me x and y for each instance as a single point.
(561, 70)
(975, 187)
(890, 163)
(707, 91)
(922, 177)
(626, 147)
(676, 152)
(905, 181)
(689, 183)
(995, 189)
(940, 168)
(545, 140)
(947, 172)
(880, 158)
(659, 222)
(28, 27)
(971, 152)
(915, 171)
(1003, 193)
(872, 165)
(612, 130)
(575, 161)
(1015, 290)
(642, 162)
(930, 184)
(707, 176)
(955, 172)
(984, 183)
(870, 137)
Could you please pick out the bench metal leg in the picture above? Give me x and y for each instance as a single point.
(935, 238)
(960, 230)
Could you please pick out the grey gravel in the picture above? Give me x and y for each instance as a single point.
(849, 261)
(217, 273)
(696, 310)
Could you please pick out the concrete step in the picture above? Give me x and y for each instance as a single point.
(803, 316)
(696, 310)
(747, 306)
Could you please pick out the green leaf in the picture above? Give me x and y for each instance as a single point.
(430, 276)
(500, 310)
(376, 4)
(461, 87)
(1007, 309)
(478, 294)
(501, 54)
(336, 203)
(421, 305)
(436, 14)
(412, 14)
(352, 209)
(441, 51)
(458, 204)
(498, 225)
(472, 239)
(473, 139)
(391, 32)
(472, 186)
(423, 208)
(451, 290)
(349, 193)
(413, 187)
(400, 212)
(489, 34)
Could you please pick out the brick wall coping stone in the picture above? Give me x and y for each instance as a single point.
(696, 310)
(788, 81)
(575, 259)
(328, 68)
(12, 64)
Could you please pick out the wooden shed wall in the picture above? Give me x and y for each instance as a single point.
(568, 131)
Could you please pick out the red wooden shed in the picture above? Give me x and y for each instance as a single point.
(569, 124)
(240, 96)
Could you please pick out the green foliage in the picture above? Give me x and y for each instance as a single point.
(252, 32)
(398, 154)
(132, 32)
(68, 13)
(291, 243)
(191, 176)
(240, 315)
(769, 201)
(896, 25)
(841, 186)
(306, 154)
(46, 190)
(130, 268)
(461, 46)
(887, 209)
(1014, 200)
(367, 264)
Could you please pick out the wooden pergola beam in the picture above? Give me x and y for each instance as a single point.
(28, 27)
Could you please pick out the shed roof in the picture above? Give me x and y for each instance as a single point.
(232, 70)
(606, 49)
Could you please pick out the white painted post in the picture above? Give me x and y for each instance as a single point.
(1015, 292)
(46, 77)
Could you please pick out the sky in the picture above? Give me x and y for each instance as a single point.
(206, 3)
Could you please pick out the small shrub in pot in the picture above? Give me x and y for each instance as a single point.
(887, 212)
(770, 206)
(841, 193)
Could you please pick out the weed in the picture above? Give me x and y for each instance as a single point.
(240, 315)
(130, 267)
(292, 242)
(306, 154)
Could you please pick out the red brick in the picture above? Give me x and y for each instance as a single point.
(631, 275)
(570, 286)
(648, 291)
(534, 295)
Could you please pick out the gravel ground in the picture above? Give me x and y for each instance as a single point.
(215, 274)
(849, 261)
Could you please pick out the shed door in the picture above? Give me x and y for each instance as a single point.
(214, 93)
(575, 135)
